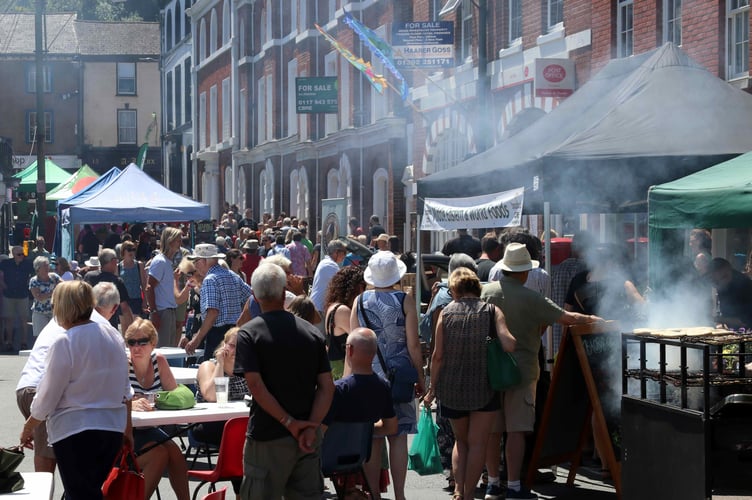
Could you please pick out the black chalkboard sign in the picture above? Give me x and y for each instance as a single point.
(586, 352)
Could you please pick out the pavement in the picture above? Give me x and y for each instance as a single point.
(588, 486)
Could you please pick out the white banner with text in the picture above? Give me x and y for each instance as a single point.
(486, 211)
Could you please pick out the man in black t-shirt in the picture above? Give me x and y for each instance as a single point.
(463, 243)
(283, 359)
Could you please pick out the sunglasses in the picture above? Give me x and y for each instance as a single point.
(142, 342)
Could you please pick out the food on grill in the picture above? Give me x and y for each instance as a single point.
(691, 331)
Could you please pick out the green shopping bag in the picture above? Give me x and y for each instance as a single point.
(424, 457)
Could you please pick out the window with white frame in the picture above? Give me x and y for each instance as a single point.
(303, 195)
(168, 36)
(450, 148)
(261, 111)
(229, 187)
(179, 33)
(241, 44)
(345, 110)
(624, 28)
(293, 193)
(293, 9)
(514, 15)
(202, 41)
(466, 44)
(269, 107)
(31, 127)
(241, 193)
(434, 9)
(303, 120)
(187, 19)
(330, 69)
(243, 116)
(126, 78)
(737, 38)
(226, 113)
(381, 195)
(213, 32)
(345, 183)
(127, 121)
(226, 23)
(213, 112)
(268, 21)
(188, 89)
(179, 95)
(31, 78)
(379, 102)
(303, 15)
(202, 121)
(332, 9)
(332, 183)
(555, 13)
(266, 188)
(292, 116)
(169, 101)
(672, 25)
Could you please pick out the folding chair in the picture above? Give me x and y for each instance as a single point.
(346, 447)
(216, 495)
(230, 459)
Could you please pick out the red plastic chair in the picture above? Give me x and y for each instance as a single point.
(230, 459)
(216, 495)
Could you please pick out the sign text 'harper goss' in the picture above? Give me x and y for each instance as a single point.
(425, 45)
(492, 210)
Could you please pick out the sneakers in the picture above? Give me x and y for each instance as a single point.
(494, 492)
(521, 494)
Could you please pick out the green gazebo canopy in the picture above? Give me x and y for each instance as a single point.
(53, 176)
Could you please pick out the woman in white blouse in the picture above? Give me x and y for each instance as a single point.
(84, 395)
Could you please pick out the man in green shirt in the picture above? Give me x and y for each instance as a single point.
(527, 314)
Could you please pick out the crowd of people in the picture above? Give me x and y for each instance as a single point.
(312, 340)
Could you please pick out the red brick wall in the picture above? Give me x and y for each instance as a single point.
(703, 33)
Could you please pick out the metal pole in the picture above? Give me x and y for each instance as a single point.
(483, 97)
(547, 257)
(40, 135)
(419, 272)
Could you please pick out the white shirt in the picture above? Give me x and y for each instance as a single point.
(326, 269)
(35, 366)
(85, 384)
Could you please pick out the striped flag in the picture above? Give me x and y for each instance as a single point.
(377, 81)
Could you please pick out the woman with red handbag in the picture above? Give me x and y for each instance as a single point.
(84, 394)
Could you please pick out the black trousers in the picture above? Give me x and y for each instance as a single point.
(85, 460)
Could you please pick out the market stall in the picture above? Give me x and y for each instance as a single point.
(131, 196)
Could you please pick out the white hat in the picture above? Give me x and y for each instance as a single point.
(92, 262)
(382, 237)
(205, 251)
(384, 269)
(517, 259)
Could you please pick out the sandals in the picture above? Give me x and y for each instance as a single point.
(450, 485)
(457, 496)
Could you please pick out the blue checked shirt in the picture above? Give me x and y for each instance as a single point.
(226, 292)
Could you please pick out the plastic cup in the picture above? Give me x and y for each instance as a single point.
(221, 385)
(151, 397)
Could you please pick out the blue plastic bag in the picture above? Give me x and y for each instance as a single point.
(424, 457)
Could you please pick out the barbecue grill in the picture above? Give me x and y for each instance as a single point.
(686, 413)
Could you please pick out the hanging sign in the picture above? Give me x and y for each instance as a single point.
(491, 210)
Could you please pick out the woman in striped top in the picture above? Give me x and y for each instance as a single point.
(149, 372)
